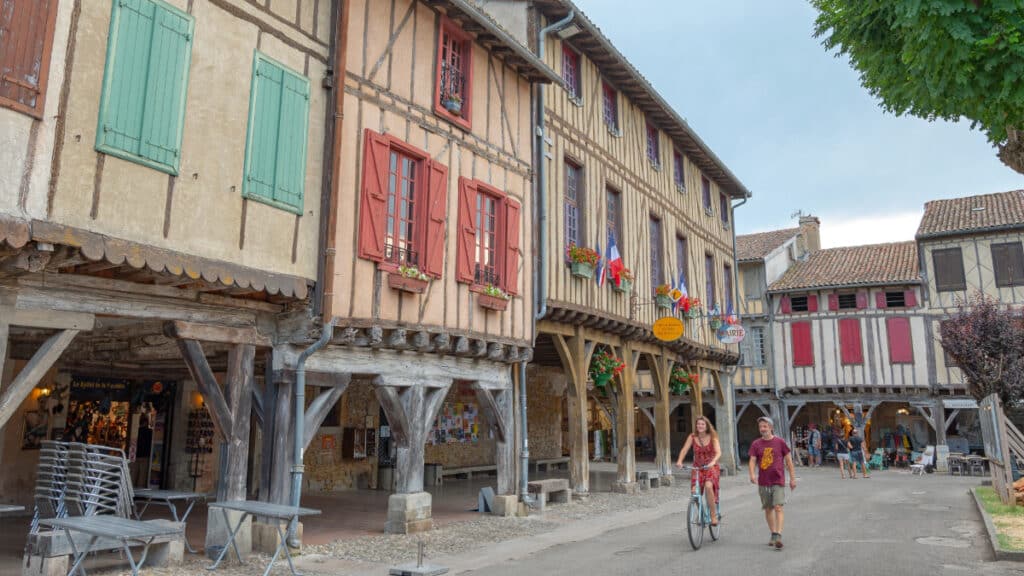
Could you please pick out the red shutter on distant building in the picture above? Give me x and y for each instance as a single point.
(803, 349)
(910, 298)
(373, 204)
(879, 299)
(785, 306)
(833, 302)
(511, 246)
(25, 44)
(437, 198)
(862, 300)
(812, 303)
(850, 346)
(466, 231)
(901, 350)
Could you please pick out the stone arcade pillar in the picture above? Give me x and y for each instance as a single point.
(496, 405)
(411, 405)
(725, 421)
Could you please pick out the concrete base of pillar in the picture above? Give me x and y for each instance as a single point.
(665, 480)
(409, 513)
(507, 505)
(624, 487)
(217, 532)
(39, 566)
(265, 537)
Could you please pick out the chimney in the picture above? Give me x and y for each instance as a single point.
(809, 227)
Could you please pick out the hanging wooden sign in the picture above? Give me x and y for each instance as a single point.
(668, 329)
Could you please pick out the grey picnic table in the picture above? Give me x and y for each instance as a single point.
(278, 512)
(125, 530)
(171, 499)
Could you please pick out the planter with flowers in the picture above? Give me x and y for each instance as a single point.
(493, 298)
(625, 284)
(582, 261)
(681, 380)
(409, 279)
(692, 307)
(453, 104)
(604, 366)
(662, 297)
(715, 318)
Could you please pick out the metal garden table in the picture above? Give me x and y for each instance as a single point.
(169, 498)
(125, 530)
(277, 512)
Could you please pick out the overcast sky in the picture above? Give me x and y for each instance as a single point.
(792, 121)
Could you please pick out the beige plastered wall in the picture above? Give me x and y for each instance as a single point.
(202, 209)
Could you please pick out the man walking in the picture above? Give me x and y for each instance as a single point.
(814, 446)
(767, 454)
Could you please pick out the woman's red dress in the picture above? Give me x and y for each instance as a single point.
(702, 456)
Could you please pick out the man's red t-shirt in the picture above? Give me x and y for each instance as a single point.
(770, 455)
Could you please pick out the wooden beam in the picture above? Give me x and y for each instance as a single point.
(8, 298)
(53, 319)
(742, 409)
(30, 375)
(223, 334)
(952, 416)
(322, 406)
(239, 390)
(792, 417)
(199, 368)
(489, 406)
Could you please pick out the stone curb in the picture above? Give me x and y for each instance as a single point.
(990, 528)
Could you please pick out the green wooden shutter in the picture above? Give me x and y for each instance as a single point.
(275, 151)
(142, 108)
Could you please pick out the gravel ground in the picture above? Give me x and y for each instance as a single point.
(453, 538)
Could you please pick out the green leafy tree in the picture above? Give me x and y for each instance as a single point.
(947, 59)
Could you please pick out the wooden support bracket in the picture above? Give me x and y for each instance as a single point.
(199, 368)
(489, 405)
(39, 365)
(223, 334)
(322, 406)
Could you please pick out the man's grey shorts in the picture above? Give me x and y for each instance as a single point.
(772, 496)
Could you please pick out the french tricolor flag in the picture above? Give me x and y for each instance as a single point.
(602, 269)
(614, 261)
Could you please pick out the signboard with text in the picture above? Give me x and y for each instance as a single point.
(731, 334)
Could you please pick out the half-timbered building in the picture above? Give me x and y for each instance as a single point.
(619, 166)
(160, 215)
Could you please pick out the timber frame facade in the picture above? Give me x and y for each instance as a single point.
(621, 166)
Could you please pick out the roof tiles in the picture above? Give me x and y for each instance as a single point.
(753, 247)
(972, 214)
(871, 265)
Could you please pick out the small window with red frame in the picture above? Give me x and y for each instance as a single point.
(653, 148)
(571, 74)
(400, 233)
(611, 108)
(454, 74)
(486, 271)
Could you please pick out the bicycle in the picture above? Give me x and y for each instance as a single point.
(698, 515)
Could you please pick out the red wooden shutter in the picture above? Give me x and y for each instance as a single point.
(466, 229)
(803, 350)
(880, 300)
(373, 205)
(901, 350)
(511, 246)
(437, 208)
(25, 44)
(852, 351)
(833, 302)
(786, 307)
(862, 300)
(910, 298)
(812, 303)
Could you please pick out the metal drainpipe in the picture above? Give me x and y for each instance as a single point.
(739, 316)
(300, 423)
(542, 185)
(542, 277)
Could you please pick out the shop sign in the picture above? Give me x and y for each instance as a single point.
(668, 329)
(731, 334)
(99, 388)
(959, 403)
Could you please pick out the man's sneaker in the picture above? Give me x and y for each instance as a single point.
(778, 542)
(774, 539)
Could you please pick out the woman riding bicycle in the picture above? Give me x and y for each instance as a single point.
(706, 452)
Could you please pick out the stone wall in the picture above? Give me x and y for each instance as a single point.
(328, 468)
(545, 399)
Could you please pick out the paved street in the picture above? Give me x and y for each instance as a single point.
(892, 523)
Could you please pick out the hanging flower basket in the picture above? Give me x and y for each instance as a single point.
(694, 313)
(678, 388)
(715, 322)
(663, 301)
(582, 270)
(602, 380)
(681, 380)
(409, 279)
(624, 287)
(493, 298)
(603, 367)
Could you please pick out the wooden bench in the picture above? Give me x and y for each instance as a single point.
(84, 503)
(561, 463)
(468, 471)
(553, 489)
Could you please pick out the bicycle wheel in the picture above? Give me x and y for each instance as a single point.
(695, 523)
(716, 530)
